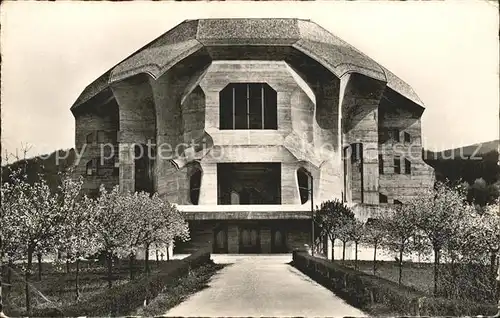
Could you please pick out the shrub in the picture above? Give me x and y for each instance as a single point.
(380, 296)
(123, 299)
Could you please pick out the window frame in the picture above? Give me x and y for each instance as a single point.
(397, 163)
(407, 166)
(406, 137)
(395, 135)
(231, 116)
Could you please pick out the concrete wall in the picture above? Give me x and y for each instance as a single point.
(97, 118)
(402, 186)
(359, 124)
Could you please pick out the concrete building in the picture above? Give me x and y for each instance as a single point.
(241, 119)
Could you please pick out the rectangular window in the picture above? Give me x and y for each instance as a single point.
(382, 198)
(397, 165)
(248, 106)
(380, 164)
(407, 166)
(395, 135)
(407, 137)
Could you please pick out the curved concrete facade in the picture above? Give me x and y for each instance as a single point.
(165, 100)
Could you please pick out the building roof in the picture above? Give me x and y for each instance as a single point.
(190, 36)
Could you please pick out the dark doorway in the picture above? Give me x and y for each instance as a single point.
(249, 183)
(220, 239)
(249, 240)
(278, 241)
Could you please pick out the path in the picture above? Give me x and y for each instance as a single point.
(262, 286)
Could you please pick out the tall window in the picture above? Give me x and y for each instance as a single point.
(380, 164)
(397, 165)
(194, 187)
(248, 106)
(395, 134)
(407, 166)
(303, 181)
(407, 137)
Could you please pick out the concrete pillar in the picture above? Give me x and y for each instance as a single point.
(127, 167)
(208, 189)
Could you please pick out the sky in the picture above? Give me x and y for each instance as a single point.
(447, 51)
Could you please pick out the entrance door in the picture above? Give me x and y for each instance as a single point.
(278, 241)
(220, 240)
(249, 240)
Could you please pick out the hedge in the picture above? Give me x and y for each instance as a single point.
(379, 296)
(124, 299)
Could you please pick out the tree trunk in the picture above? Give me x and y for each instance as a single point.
(453, 269)
(157, 258)
(110, 268)
(436, 271)
(27, 279)
(375, 259)
(131, 265)
(146, 259)
(67, 264)
(343, 250)
(333, 250)
(493, 270)
(77, 279)
(400, 279)
(168, 253)
(39, 258)
(10, 265)
(356, 255)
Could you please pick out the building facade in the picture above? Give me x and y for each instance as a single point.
(240, 122)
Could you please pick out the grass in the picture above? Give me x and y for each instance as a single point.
(57, 288)
(416, 275)
(174, 294)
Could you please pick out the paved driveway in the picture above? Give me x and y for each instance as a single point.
(262, 286)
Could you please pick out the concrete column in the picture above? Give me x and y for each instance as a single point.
(208, 189)
(127, 167)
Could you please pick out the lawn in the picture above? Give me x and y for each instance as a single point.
(470, 282)
(417, 275)
(57, 288)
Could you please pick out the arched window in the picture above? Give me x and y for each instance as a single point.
(382, 198)
(194, 187)
(303, 179)
(248, 106)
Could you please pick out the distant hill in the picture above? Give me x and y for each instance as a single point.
(50, 166)
(476, 150)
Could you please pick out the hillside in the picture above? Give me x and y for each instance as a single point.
(476, 150)
(50, 166)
